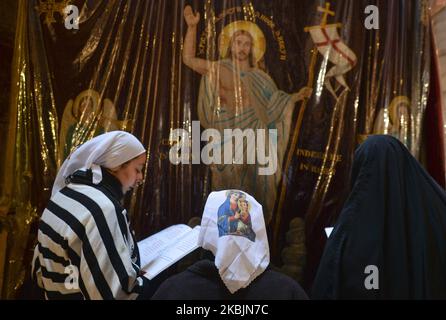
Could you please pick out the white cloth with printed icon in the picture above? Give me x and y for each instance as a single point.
(233, 229)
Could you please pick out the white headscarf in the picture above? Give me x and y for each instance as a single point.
(109, 150)
(241, 250)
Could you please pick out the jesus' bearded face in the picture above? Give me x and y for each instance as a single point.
(241, 47)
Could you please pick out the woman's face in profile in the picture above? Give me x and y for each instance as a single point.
(130, 174)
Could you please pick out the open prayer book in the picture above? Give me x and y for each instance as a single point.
(161, 250)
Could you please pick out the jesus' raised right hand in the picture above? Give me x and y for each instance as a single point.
(191, 18)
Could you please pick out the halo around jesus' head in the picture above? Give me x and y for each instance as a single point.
(259, 42)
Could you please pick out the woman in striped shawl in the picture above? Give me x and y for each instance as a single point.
(86, 249)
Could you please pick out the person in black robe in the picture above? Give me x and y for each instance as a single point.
(389, 241)
(236, 266)
(201, 281)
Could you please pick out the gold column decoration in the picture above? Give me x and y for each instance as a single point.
(15, 205)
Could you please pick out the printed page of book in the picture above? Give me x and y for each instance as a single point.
(178, 250)
(151, 247)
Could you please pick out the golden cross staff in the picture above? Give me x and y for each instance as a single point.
(326, 11)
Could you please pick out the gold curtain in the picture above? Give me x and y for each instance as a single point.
(124, 68)
(22, 170)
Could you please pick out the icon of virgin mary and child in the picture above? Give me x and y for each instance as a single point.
(234, 217)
